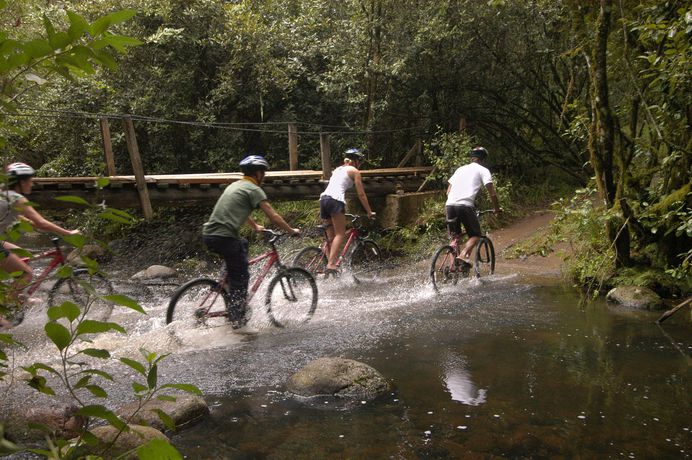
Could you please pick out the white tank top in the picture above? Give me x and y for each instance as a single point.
(338, 184)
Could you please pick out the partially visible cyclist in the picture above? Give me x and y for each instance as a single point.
(221, 233)
(460, 208)
(333, 204)
(15, 206)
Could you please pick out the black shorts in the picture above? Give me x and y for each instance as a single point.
(4, 252)
(329, 207)
(460, 214)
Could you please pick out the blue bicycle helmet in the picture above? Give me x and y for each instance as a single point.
(354, 154)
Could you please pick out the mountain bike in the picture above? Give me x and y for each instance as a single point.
(79, 286)
(362, 255)
(446, 267)
(291, 296)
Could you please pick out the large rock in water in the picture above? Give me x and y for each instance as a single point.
(155, 272)
(185, 409)
(638, 297)
(59, 420)
(338, 377)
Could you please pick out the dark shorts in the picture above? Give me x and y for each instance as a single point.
(329, 207)
(466, 215)
(4, 252)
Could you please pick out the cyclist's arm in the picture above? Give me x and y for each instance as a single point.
(255, 226)
(275, 218)
(358, 182)
(493, 197)
(41, 223)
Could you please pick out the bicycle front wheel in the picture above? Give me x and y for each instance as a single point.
(291, 297)
(443, 270)
(312, 259)
(366, 261)
(197, 303)
(86, 291)
(485, 258)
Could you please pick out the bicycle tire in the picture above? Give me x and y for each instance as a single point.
(312, 259)
(365, 261)
(291, 297)
(484, 264)
(86, 291)
(199, 302)
(443, 270)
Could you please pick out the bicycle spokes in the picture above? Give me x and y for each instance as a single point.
(291, 297)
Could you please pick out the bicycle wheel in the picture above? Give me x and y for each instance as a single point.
(291, 297)
(365, 261)
(311, 259)
(443, 270)
(485, 258)
(86, 291)
(197, 303)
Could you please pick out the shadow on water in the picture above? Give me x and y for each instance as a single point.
(489, 368)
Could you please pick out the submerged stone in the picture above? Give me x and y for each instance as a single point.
(155, 272)
(184, 410)
(338, 377)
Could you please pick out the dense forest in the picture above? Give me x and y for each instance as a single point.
(595, 94)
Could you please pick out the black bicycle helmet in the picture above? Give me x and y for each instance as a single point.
(479, 152)
(252, 163)
(354, 154)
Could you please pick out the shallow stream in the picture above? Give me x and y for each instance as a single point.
(498, 368)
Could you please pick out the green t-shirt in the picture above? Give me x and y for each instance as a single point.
(233, 208)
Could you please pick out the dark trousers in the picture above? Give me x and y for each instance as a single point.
(234, 253)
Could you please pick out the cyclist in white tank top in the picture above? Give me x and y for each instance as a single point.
(333, 203)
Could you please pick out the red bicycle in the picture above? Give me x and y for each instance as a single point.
(364, 256)
(291, 296)
(77, 285)
(447, 268)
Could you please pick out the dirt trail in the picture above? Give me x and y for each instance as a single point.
(534, 268)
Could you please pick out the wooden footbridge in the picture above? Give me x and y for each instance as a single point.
(145, 191)
(188, 189)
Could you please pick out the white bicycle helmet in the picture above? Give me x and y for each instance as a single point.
(354, 154)
(255, 162)
(20, 170)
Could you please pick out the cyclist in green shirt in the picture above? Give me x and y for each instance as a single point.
(221, 232)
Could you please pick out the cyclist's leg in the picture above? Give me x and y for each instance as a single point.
(472, 226)
(11, 263)
(335, 211)
(234, 253)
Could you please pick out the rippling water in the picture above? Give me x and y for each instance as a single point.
(497, 368)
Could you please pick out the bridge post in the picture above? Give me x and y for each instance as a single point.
(137, 168)
(326, 155)
(107, 146)
(292, 146)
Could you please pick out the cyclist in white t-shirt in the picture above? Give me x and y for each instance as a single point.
(461, 198)
(333, 203)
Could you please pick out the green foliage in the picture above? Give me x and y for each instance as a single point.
(446, 152)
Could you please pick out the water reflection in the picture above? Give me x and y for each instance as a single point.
(461, 388)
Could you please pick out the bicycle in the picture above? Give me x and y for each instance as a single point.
(447, 268)
(81, 287)
(291, 296)
(364, 255)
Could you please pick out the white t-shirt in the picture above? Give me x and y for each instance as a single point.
(338, 184)
(466, 182)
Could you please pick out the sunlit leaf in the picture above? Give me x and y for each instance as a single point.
(96, 353)
(183, 387)
(58, 334)
(125, 301)
(97, 391)
(89, 326)
(136, 365)
(158, 449)
(166, 419)
(103, 413)
(72, 199)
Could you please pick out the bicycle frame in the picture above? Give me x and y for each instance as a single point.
(58, 259)
(351, 235)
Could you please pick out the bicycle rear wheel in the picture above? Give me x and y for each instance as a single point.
(485, 258)
(291, 297)
(197, 303)
(86, 291)
(312, 259)
(365, 261)
(443, 270)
